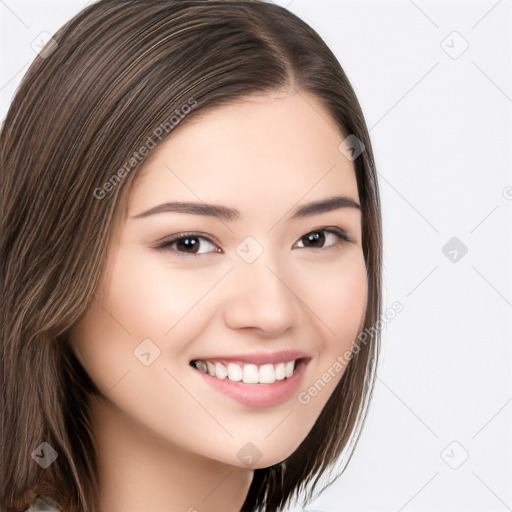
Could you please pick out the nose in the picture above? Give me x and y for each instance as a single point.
(261, 300)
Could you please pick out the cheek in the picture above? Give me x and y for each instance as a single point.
(338, 301)
(351, 293)
(339, 307)
(150, 298)
(141, 298)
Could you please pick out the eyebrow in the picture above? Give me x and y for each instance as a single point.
(223, 212)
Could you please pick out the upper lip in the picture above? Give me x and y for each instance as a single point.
(281, 356)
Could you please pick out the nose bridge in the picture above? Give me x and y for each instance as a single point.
(261, 298)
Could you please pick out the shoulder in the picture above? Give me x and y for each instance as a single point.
(42, 504)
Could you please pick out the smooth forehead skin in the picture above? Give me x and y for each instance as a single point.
(244, 148)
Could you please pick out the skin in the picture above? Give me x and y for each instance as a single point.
(167, 440)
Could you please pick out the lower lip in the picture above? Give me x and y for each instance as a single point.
(258, 395)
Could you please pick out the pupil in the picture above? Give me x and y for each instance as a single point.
(315, 237)
(189, 244)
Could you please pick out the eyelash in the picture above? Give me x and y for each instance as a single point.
(168, 242)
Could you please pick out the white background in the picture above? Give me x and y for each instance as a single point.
(441, 128)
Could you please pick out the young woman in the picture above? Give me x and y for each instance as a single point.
(191, 262)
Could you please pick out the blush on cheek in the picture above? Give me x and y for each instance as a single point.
(344, 303)
(155, 301)
(142, 297)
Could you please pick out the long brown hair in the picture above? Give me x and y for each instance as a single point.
(120, 77)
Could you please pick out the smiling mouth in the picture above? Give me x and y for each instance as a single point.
(248, 373)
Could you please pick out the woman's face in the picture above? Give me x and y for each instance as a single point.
(271, 272)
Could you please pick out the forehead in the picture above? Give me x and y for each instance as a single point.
(267, 149)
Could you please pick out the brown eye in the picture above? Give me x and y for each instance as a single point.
(322, 238)
(314, 239)
(188, 244)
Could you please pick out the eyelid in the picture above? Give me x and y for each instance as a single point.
(168, 240)
(164, 243)
(338, 232)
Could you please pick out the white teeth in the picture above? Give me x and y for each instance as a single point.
(280, 371)
(220, 371)
(234, 372)
(267, 374)
(202, 366)
(248, 373)
(211, 367)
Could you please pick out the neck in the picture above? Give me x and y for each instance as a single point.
(139, 471)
